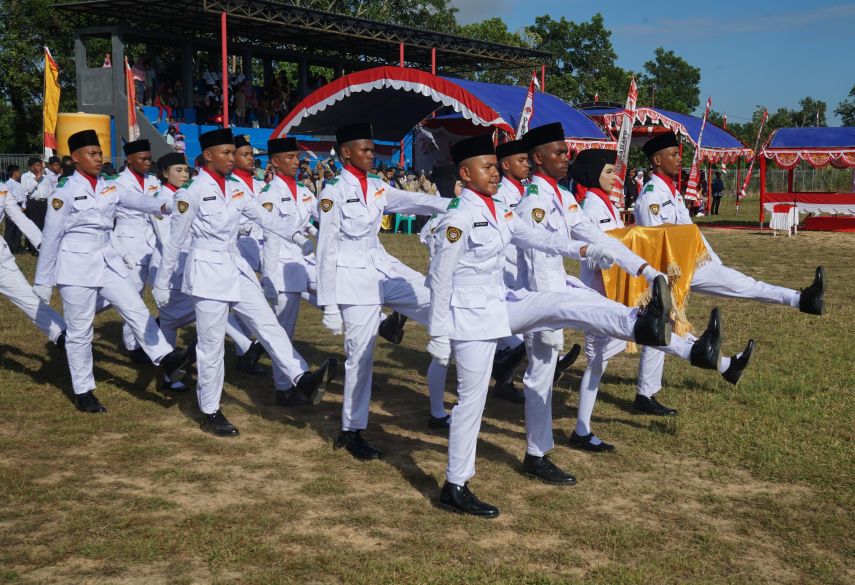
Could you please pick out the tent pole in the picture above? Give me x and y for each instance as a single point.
(709, 187)
(762, 186)
(738, 181)
(680, 174)
(225, 76)
(433, 61)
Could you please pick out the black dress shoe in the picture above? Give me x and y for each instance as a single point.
(88, 403)
(176, 386)
(442, 422)
(812, 299)
(139, 356)
(652, 406)
(653, 326)
(248, 362)
(507, 391)
(506, 362)
(313, 385)
(392, 328)
(706, 350)
(546, 471)
(738, 364)
(218, 424)
(458, 498)
(584, 442)
(60, 341)
(291, 397)
(174, 364)
(567, 360)
(357, 446)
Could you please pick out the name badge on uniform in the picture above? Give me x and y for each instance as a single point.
(513, 205)
(666, 203)
(80, 197)
(211, 198)
(607, 220)
(481, 224)
(286, 199)
(354, 200)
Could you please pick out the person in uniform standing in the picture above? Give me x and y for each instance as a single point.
(593, 171)
(660, 203)
(250, 236)
(12, 282)
(15, 196)
(218, 279)
(78, 256)
(53, 172)
(356, 275)
(37, 188)
(133, 235)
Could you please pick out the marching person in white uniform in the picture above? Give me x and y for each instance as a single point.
(12, 282)
(471, 309)
(593, 171)
(133, 235)
(660, 203)
(179, 311)
(250, 234)
(78, 256)
(356, 275)
(219, 279)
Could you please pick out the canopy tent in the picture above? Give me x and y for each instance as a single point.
(818, 147)
(397, 99)
(718, 145)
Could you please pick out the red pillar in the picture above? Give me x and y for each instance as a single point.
(433, 61)
(738, 180)
(709, 187)
(401, 55)
(762, 186)
(401, 160)
(225, 76)
(543, 78)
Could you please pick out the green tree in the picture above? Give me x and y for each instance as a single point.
(26, 26)
(846, 109)
(435, 15)
(672, 80)
(495, 30)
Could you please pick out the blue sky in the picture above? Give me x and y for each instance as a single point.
(749, 52)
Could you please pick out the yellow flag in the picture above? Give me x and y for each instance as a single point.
(51, 103)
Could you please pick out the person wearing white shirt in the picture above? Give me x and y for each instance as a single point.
(17, 197)
(37, 187)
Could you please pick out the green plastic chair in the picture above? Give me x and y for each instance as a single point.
(399, 217)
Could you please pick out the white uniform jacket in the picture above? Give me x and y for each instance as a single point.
(510, 195)
(210, 217)
(543, 210)
(247, 227)
(76, 244)
(283, 262)
(657, 206)
(134, 231)
(466, 274)
(163, 231)
(351, 262)
(9, 208)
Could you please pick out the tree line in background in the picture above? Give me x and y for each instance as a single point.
(584, 64)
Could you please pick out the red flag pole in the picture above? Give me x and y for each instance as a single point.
(225, 78)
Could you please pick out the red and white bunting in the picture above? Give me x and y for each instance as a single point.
(528, 107)
(624, 138)
(694, 173)
(130, 89)
(757, 154)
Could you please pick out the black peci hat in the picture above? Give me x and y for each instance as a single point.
(242, 140)
(277, 145)
(360, 131)
(511, 148)
(216, 138)
(544, 135)
(471, 147)
(661, 142)
(81, 139)
(142, 145)
(588, 166)
(173, 158)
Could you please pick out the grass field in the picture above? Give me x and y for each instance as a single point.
(752, 484)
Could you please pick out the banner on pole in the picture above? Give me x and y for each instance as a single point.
(741, 193)
(50, 107)
(130, 89)
(694, 173)
(624, 138)
(528, 107)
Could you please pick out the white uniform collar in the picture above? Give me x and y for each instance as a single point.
(471, 197)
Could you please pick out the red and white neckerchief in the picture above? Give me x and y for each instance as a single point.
(668, 181)
(605, 199)
(488, 201)
(554, 184)
(291, 182)
(363, 180)
(247, 178)
(218, 178)
(516, 184)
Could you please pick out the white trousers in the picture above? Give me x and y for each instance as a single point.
(15, 287)
(287, 308)
(250, 249)
(180, 312)
(137, 276)
(537, 386)
(211, 319)
(474, 363)
(79, 306)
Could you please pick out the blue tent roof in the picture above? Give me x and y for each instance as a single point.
(827, 138)
(508, 101)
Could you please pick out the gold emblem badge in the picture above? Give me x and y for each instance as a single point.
(183, 206)
(326, 205)
(56, 204)
(654, 208)
(538, 214)
(452, 234)
(268, 206)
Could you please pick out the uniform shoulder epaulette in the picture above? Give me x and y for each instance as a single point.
(231, 178)
(647, 188)
(333, 181)
(455, 203)
(563, 188)
(62, 182)
(531, 190)
(266, 188)
(373, 176)
(187, 184)
(107, 177)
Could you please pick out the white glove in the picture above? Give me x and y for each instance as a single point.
(440, 349)
(270, 292)
(553, 338)
(307, 245)
(599, 258)
(44, 292)
(332, 319)
(161, 296)
(651, 273)
(312, 231)
(128, 262)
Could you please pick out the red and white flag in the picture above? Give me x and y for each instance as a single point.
(741, 193)
(130, 89)
(624, 138)
(528, 107)
(694, 174)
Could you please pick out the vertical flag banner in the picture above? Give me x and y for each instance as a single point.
(130, 89)
(741, 193)
(50, 107)
(694, 174)
(624, 137)
(528, 107)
